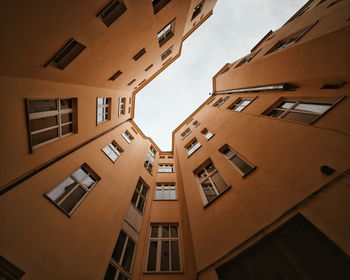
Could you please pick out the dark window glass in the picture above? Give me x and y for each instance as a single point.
(42, 105)
(37, 124)
(300, 117)
(152, 256)
(110, 273)
(241, 164)
(118, 249)
(164, 263)
(69, 203)
(175, 256)
(44, 136)
(129, 252)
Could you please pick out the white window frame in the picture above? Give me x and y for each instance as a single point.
(159, 240)
(192, 146)
(140, 196)
(58, 113)
(207, 134)
(213, 190)
(112, 149)
(89, 174)
(165, 191)
(186, 133)
(166, 33)
(232, 156)
(240, 104)
(122, 105)
(220, 101)
(118, 265)
(165, 168)
(127, 136)
(103, 103)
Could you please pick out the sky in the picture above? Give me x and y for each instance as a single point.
(235, 27)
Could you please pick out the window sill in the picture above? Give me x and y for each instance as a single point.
(163, 272)
(216, 198)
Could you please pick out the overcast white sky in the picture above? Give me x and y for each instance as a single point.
(229, 34)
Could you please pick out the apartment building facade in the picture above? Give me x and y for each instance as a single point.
(256, 184)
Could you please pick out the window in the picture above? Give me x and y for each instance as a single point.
(210, 181)
(165, 192)
(167, 61)
(139, 197)
(167, 53)
(72, 190)
(242, 165)
(165, 168)
(103, 110)
(170, 156)
(193, 146)
(122, 104)
(159, 4)
(185, 133)
(131, 82)
(164, 249)
(50, 120)
(333, 3)
(127, 136)
(240, 104)
(115, 75)
(113, 151)
(9, 271)
(149, 67)
(139, 54)
(112, 12)
(197, 10)
(290, 40)
(196, 123)
(150, 159)
(246, 60)
(300, 111)
(121, 260)
(166, 33)
(66, 55)
(220, 101)
(207, 134)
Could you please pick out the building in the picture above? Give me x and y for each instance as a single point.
(255, 187)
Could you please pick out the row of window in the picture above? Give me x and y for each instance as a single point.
(294, 109)
(52, 119)
(163, 252)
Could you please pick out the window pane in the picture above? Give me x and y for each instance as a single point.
(42, 105)
(110, 273)
(134, 198)
(66, 118)
(44, 136)
(201, 174)
(113, 156)
(241, 164)
(129, 252)
(208, 190)
(172, 194)
(228, 153)
(245, 103)
(144, 191)
(275, 113)
(219, 182)
(316, 108)
(154, 231)
(175, 256)
(66, 103)
(210, 167)
(164, 255)
(141, 204)
(152, 256)
(58, 193)
(158, 195)
(165, 231)
(286, 105)
(88, 182)
(79, 174)
(239, 108)
(67, 129)
(42, 123)
(300, 117)
(173, 231)
(118, 249)
(69, 203)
